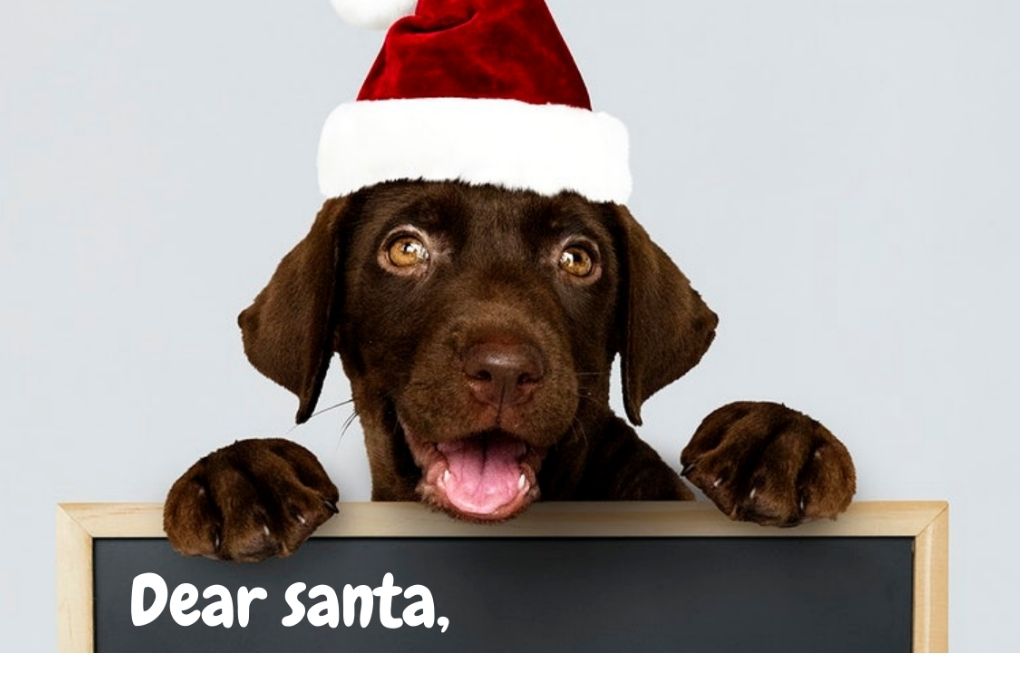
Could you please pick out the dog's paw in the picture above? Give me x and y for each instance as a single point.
(252, 500)
(765, 463)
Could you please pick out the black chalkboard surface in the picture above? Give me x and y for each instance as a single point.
(579, 577)
(546, 595)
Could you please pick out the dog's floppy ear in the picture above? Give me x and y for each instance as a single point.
(665, 327)
(288, 331)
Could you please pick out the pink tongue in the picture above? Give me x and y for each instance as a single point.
(484, 472)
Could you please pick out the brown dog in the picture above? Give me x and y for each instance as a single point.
(477, 327)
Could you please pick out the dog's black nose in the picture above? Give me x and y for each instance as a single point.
(503, 374)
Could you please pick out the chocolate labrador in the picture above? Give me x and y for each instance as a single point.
(477, 326)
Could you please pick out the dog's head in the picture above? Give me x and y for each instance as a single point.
(477, 326)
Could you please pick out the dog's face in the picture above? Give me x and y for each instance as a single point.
(478, 326)
(481, 310)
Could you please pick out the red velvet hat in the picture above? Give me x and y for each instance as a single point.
(483, 91)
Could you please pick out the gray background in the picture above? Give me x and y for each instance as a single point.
(839, 179)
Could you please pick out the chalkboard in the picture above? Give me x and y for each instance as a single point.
(566, 577)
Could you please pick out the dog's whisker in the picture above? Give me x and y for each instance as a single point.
(574, 430)
(323, 410)
(582, 430)
(344, 428)
(331, 408)
(583, 395)
(348, 422)
(419, 384)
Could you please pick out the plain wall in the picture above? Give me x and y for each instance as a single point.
(839, 179)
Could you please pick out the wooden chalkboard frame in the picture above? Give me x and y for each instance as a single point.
(927, 522)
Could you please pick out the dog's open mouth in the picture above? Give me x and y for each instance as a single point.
(490, 476)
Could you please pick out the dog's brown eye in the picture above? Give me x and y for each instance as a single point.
(576, 261)
(407, 251)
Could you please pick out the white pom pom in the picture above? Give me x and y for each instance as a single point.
(378, 14)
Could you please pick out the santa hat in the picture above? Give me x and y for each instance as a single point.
(483, 91)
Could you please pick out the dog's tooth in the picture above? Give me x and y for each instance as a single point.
(522, 481)
(446, 476)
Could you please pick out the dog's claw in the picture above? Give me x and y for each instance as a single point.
(302, 520)
(331, 505)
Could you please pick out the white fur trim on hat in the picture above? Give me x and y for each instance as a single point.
(377, 14)
(547, 148)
